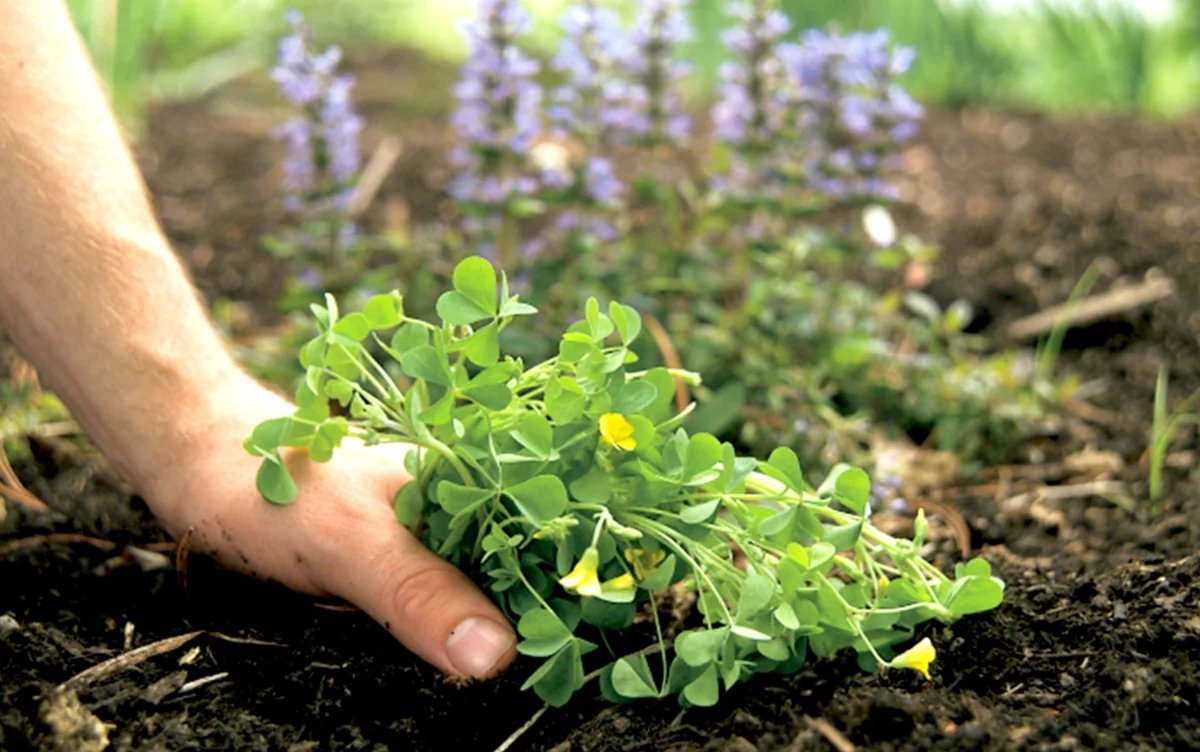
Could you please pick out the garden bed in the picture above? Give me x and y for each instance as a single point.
(1097, 644)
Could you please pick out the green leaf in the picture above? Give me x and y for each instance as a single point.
(483, 346)
(475, 279)
(491, 396)
(757, 591)
(513, 307)
(703, 453)
(353, 325)
(558, 678)
(457, 309)
(440, 412)
(698, 647)
(975, 594)
(408, 337)
(703, 691)
(664, 387)
(778, 523)
(535, 434)
(425, 362)
(820, 553)
(608, 615)
(748, 633)
(541, 498)
(626, 319)
(694, 515)
(593, 487)
(274, 481)
(843, 537)
(634, 397)
(456, 499)
(662, 576)
(776, 650)
(565, 400)
(631, 677)
(266, 436)
(599, 324)
(409, 504)
(786, 616)
(544, 633)
(384, 311)
(849, 485)
(785, 461)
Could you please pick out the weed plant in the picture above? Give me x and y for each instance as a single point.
(574, 492)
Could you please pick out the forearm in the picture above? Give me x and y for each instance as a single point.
(89, 288)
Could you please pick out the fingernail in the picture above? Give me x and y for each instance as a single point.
(476, 645)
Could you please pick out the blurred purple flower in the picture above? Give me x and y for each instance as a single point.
(592, 54)
(648, 105)
(498, 109)
(321, 140)
(854, 113)
(752, 106)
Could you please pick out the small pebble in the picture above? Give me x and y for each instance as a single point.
(8, 624)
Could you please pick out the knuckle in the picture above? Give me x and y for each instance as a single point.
(420, 590)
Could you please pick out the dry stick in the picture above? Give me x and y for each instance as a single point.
(954, 518)
(40, 540)
(382, 160)
(1092, 309)
(197, 683)
(12, 488)
(670, 357)
(131, 658)
(181, 562)
(836, 738)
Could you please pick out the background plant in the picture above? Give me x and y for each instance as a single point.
(572, 489)
(759, 259)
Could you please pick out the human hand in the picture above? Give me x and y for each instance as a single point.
(339, 538)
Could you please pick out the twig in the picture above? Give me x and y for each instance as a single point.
(11, 487)
(181, 562)
(670, 357)
(197, 683)
(40, 540)
(382, 160)
(836, 738)
(954, 518)
(245, 640)
(1103, 488)
(1092, 309)
(512, 739)
(131, 658)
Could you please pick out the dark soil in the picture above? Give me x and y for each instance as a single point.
(1097, 645)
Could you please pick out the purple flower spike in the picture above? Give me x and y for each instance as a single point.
(322, 160)
(754, 96)
(649, 105)
(498, 114)
(854, 112)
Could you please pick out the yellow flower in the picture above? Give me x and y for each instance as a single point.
(617, 431)
(623, 582)
(883, 582)
(918, 658)
(583, 579)
(643, 562)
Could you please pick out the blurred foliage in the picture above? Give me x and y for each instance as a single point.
(1038, 54)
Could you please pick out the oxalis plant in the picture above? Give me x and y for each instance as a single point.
(572, 488)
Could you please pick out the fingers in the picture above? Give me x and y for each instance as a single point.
(427, 603)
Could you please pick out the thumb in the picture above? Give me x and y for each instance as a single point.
(426, 602)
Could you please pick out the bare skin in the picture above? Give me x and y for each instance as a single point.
(93, 295)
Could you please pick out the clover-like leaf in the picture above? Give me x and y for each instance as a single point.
(541, 498)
